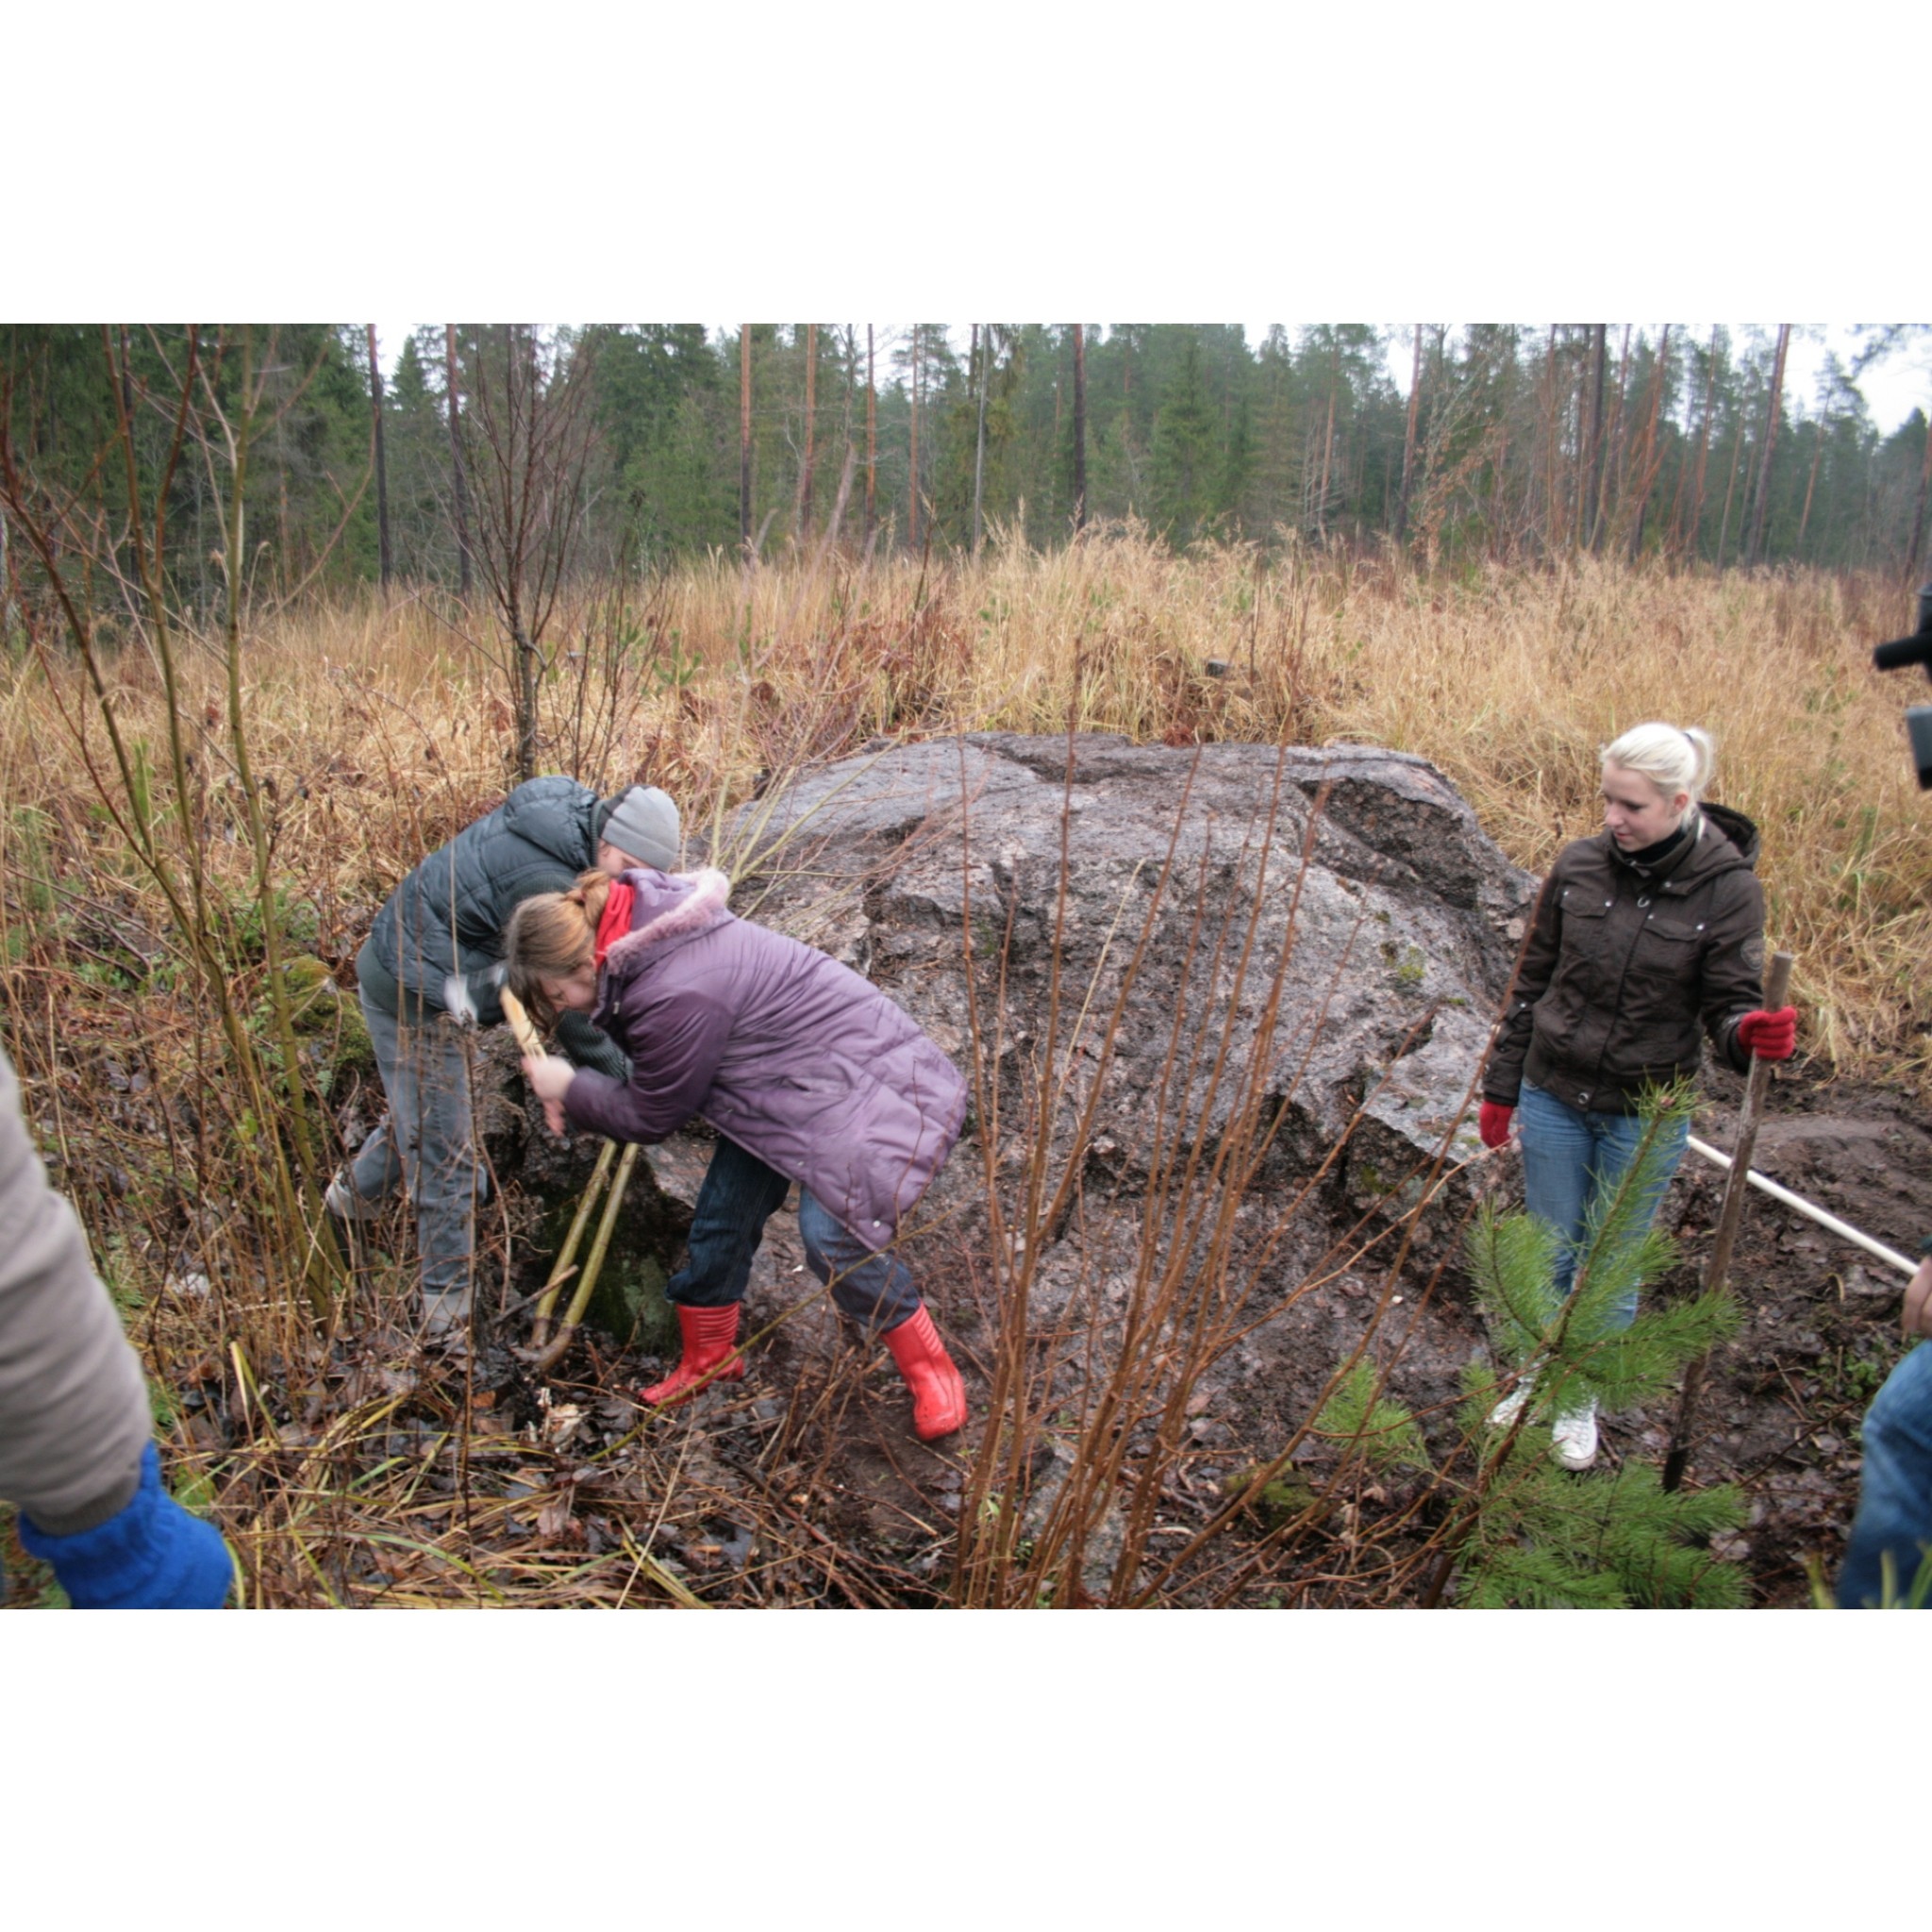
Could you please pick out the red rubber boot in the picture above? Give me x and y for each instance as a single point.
(939, 1396)
(710, 1336)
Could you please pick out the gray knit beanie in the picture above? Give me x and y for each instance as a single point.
(643, 823)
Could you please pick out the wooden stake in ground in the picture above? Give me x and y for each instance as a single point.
(549, 1349)
(550, 1354)
(1777, 986)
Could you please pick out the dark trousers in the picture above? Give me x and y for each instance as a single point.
(739, 1195)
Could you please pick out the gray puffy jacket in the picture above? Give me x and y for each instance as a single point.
(447, 916)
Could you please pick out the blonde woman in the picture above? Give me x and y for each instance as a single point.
(1649, 939)
(809, 1073)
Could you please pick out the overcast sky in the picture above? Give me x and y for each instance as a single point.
(1892, 388)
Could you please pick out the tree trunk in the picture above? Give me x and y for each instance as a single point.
(1919, 507)
(1593, 449)
(127, 377)
(1811, 484)
(381, 469)
(1647, 463)
(1723, 530)
(1618, 450)
(802, 510)
(459, 489)
(982, 341)
(1755, 553)
(1415, 396)
(872, 438)
(1327, 450)
(527, 706)
(1703, 444)
(1080, 427)
(912, 473)
(9, 622)
(744, 436)
(1553, 500)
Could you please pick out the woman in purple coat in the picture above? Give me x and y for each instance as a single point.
(808, 1073)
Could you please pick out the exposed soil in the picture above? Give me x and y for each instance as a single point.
(1785, 1400)
(818, 1433)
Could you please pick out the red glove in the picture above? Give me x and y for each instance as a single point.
(1770, 1036)
(1494, 1124)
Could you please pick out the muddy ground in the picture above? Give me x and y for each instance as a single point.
(1786, 1398)
(817, 1436)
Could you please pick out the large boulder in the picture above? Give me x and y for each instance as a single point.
(1313, 942)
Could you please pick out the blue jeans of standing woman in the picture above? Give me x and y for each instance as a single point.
(739, 1195)
(1895, 1490)
(1572, 1160)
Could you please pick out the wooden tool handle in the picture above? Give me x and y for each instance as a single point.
(520, 1026)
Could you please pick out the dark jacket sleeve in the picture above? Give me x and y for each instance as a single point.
(589, 1047)
(1733, 964)
(73, 1408)
(1503, 1075)
(675, 1046)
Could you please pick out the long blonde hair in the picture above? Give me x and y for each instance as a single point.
(551, 935)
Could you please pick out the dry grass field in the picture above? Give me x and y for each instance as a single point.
(371, 731)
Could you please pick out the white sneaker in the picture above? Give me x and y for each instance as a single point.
(1572, 1441)
(1510, 1406)
(345, 1204)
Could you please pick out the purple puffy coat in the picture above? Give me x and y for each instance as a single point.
(782, 1049)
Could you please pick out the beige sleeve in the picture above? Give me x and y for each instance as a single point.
(73, 1408)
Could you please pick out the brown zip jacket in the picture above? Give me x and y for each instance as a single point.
(73, 1408)
(1621, 971)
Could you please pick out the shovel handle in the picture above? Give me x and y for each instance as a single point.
(1777, 984)
(527, 1043)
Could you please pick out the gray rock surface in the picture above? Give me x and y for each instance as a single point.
(1333, 932)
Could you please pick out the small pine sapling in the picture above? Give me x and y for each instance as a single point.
(1584, 1348)
(1534, 1534)
(1354, 1417)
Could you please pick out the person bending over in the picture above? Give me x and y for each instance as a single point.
(808, 1073)
(432, 966)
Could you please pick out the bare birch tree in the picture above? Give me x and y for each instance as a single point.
(529, 435)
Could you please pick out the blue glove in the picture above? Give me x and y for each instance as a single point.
(151, 1556)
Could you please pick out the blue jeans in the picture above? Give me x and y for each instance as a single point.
(1572, 1160)
(739, 1195)
(428, 1144)
(1895, 1491)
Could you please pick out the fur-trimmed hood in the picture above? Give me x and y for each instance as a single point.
(666, 908)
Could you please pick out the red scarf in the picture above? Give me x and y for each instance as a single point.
(616, 920)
